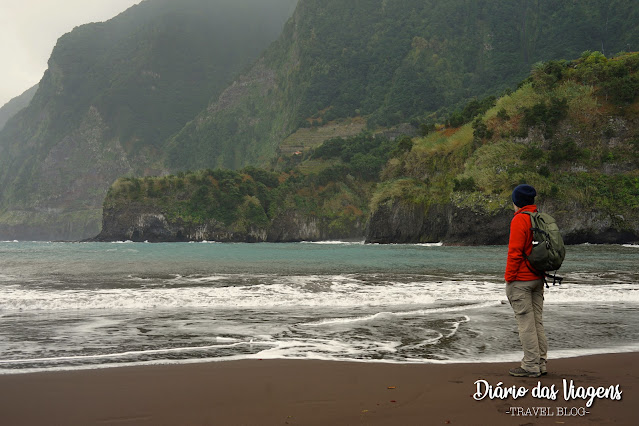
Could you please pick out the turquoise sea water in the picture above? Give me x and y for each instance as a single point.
(88, 305)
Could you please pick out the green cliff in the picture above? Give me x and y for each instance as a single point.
(325, 196)
(571, 130)
(15, 105)
(160, 88)
(112, 94)
(390, 62)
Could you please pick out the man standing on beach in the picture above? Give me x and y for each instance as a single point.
(525, 288)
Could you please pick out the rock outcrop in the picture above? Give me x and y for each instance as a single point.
(139, 222)
(400, 222)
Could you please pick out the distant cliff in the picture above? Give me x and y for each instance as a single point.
(571, 130)
(113, 93)
(401, 223)
(139, 223)
(15, 105)
(251, 205)
(388, 62)
(170, 86)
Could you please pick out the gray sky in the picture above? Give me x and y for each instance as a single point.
(29, 30)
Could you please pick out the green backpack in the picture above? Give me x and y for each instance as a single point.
(548, 251)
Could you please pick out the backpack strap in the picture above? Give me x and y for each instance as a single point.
(533, 228)
(542, 275)
(533, 223)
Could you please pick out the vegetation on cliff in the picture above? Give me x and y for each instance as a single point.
(571, 130)
(155, 90)
(333, 185)
(390, 62)
(113, 93)
(15, 105)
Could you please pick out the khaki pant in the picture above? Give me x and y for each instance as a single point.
(527, 301)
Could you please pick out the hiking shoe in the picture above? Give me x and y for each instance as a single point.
(520, 372)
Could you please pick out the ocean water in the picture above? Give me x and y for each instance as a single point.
(95, 305)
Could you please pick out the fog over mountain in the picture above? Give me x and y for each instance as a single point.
(29, 30)
(113, 92)
(16, 104)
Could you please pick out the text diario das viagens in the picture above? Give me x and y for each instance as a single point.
(570, 392)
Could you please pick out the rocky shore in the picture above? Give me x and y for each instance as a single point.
(396, 222)
(137, 222)
(401, 222)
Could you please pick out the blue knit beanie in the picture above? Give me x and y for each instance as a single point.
(524, 195)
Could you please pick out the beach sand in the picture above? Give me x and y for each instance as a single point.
(307, 392)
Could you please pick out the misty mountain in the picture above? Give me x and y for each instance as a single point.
(16, 104)
(112, 93)
(391, 61)
(169, 86)
(571, 130)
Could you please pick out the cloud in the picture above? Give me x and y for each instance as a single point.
(29, 30)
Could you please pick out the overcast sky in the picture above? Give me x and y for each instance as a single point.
(30, 28)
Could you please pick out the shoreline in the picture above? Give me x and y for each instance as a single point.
(314, 392)
(504, 358)
(355, 241)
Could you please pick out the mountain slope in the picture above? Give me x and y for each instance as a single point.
(571, 130)
(391, 61)
(16, 104)
(113, 92)
(323, 197)
(118, 96)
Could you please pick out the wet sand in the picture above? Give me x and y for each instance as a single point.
(306, 392)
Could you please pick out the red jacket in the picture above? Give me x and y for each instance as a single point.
(520, 240)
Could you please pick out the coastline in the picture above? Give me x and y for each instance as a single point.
(312, 392)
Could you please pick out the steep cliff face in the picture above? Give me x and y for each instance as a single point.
(65, 202)
(113, 93)
(581, 223)
(140, 222)
(223, 205)
(398, 222)
(388, 62)
(235, 130)
(571, 131)
(15, 105)
(401, 222)
(293, 225)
